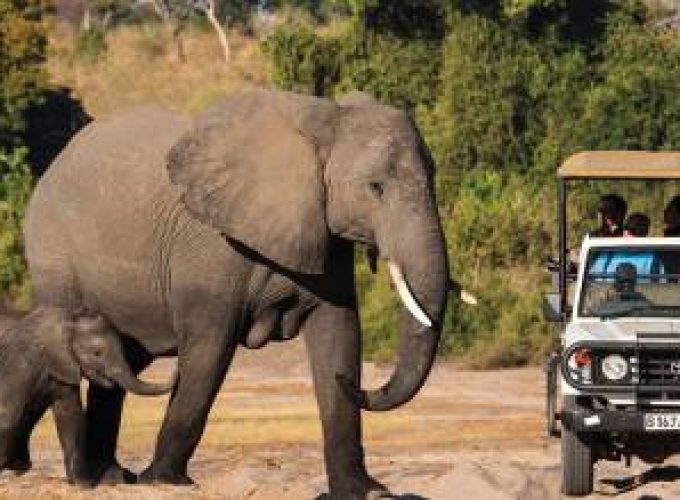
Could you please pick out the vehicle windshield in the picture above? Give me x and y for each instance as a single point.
(631, 281)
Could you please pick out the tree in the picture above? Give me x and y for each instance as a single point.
(220, 14)
(22, 83)
(22, 53)
(223, 13)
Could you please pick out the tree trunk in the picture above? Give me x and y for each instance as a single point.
(86, 23)
(221, 34)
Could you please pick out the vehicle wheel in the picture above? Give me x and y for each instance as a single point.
(577, 463)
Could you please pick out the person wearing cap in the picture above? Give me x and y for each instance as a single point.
(612, 211)
(645, 262)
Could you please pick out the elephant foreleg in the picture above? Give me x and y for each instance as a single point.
(70, 420)
(102, 422)
(202, 367)
(332, 337)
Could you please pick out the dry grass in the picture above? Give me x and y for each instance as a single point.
(275, 411)
(141, 67)
(263, 438)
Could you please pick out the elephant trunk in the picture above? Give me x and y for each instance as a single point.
(419, 272)
(126, 379)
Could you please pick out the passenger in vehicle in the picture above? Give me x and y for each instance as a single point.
(636, 225)
(612, 211)
(671, 217)
(645, 262)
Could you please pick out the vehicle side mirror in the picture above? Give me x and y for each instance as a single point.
(551, 308)
(552, 265)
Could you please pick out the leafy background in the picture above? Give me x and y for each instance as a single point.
(503, 90)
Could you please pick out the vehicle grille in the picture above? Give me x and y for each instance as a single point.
(659, 368)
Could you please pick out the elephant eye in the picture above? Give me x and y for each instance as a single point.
(376, 188)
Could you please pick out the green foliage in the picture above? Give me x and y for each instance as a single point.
(636, 105)
(22, 85)
(319, 9)
(503, 91)
(90, 44)
(16, 183)
(495, 232)
(390, 49)
(303, 61)
(398, 71)
(22, 52)
(380, 310)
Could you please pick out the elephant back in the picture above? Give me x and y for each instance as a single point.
(94, 215)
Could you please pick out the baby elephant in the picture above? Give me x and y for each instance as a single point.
(42, 357)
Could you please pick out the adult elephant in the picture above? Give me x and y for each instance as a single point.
(183, 234)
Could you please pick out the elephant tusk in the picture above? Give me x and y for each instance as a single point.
(463, 294)
(468, 298)
(406, 296)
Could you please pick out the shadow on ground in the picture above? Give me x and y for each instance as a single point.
(621, 485)
(407, 496)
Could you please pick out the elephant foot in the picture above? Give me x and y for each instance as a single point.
(19, 465)
(359, 488)
(161, 475)
(112, 474)
(82, 482)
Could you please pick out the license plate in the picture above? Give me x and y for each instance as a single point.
(662, 421)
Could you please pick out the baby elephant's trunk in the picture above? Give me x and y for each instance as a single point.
(98, 348)
(128, 381)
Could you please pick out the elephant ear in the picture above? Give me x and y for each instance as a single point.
(61, 363)
(252, 168)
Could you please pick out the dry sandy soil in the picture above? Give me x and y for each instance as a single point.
(467, 435)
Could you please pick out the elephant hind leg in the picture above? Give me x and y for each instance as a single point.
(10, 422)
(20, 458)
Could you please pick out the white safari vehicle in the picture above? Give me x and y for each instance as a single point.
(613, 390)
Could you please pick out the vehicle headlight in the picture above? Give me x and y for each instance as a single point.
(614, 367)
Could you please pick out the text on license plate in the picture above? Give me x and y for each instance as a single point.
(662, 421)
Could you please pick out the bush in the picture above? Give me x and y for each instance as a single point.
(378, 51)
(22, 85)
(90, 45)
(503, 91)
(301, 60)
(16, 183)
(22, 53)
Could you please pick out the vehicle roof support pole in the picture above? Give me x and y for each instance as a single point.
(563, 248)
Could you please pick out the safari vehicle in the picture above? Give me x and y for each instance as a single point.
(613, 390)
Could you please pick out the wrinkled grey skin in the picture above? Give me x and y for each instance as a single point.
(183, 234)
(41, 359)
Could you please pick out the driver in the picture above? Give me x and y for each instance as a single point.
(624, 284)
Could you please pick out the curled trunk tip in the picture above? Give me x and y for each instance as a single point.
(132, 384)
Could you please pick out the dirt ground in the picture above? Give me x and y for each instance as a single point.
(467, 435)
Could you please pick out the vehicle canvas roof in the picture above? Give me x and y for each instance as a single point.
(621, 165)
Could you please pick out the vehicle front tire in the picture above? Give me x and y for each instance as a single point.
(577, 463)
